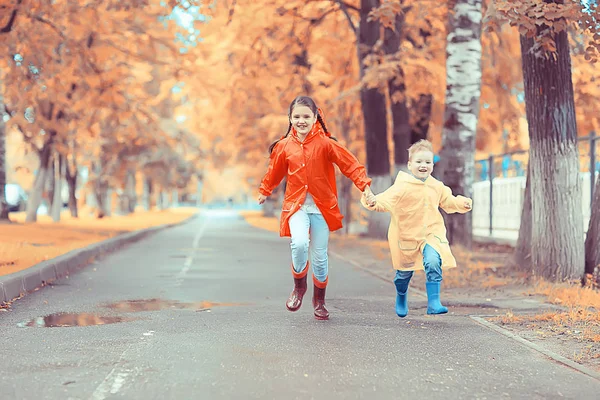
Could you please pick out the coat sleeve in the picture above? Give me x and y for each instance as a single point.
(453, 204)
(349, 165)
(275, 172)
(386, 201)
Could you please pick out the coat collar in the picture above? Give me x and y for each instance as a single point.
(314, 132)
(406, 177)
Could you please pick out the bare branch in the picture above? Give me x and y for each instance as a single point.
(344, 7)
(231, 11)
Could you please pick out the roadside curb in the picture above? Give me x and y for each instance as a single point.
(20, 283)
(556, 357)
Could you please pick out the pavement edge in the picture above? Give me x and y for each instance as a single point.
(20, 283)
(556, 357)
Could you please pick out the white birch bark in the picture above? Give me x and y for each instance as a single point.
(463, 90)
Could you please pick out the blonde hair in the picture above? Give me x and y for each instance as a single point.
(419, 146)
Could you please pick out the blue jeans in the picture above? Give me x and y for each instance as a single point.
(305, 228)
(432, 263)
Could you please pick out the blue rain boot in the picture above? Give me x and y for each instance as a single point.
(402, 296)
(433, 299)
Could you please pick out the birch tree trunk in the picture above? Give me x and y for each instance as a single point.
(375, 123)
(592, 240)
(3, 204)
(463, 89)
(557, 245)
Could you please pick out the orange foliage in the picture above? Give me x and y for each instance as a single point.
(106, 90)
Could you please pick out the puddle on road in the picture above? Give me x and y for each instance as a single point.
(62, 320)
(89, 319)
(160, 304)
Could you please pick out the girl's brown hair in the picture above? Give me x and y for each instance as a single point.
(310, 103)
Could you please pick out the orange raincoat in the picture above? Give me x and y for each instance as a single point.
(416, 219)
(309, 168)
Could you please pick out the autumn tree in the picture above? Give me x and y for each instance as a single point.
(557, 248)
(374, 115)
(61, 84)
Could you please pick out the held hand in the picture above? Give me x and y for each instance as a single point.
(261, 199)
(468, 205)
(370, 198)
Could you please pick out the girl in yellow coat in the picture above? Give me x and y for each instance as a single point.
(417, 234)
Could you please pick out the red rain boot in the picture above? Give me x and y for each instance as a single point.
(294, 302)
(321, 312)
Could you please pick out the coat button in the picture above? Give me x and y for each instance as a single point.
(306, 186)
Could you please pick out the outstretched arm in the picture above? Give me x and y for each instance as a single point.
(454, 204)
(349, 165)
(386, 201)
(275, 173)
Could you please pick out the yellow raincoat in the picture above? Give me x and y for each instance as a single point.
(416, 219)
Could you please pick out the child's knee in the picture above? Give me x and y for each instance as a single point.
(300, 243)
(403, 275)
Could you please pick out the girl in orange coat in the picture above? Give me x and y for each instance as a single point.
(305, 156)
(417, 235)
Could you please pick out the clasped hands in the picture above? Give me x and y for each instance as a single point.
(370, 198)
(368, 194)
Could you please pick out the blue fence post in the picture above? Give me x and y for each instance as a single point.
(491, 178)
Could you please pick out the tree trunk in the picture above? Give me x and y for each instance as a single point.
(557, 245)
(199, 192)
(463, 89)
(71, 178)
(50, 183)
(592, 240)
(130, 185)
(345, 185)
(147, 195)
(3, 204)
(397, 90)
(57, 202)
(345, 195)
(101, 191)
(375, 123)
(35, 197)
(420, 117)
(522, 255)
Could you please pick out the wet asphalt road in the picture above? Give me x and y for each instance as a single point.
(218, 329)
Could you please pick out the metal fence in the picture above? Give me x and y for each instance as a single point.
(511, 169)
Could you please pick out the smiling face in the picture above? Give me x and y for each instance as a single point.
(302, 119)
(421, 164)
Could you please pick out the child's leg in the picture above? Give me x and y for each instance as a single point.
(433, 270)
(299, 226)
(401, 282)
(319, 234)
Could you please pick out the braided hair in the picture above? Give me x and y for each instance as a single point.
(310, 103)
